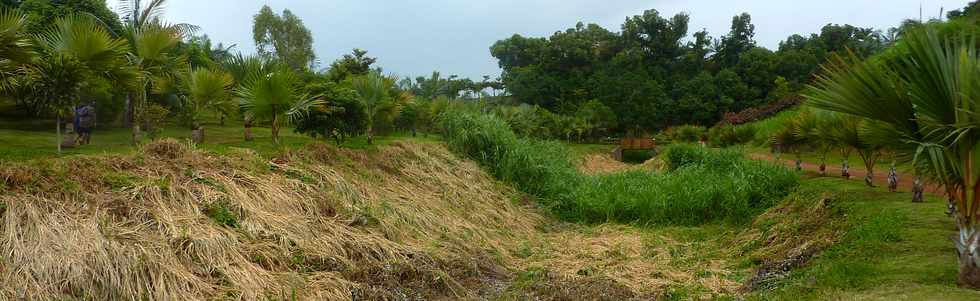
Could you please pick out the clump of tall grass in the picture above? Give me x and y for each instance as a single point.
(682, 134)
(699, 186)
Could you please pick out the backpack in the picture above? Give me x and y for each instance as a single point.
(86, 117)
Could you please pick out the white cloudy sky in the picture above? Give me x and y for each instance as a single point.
(414, 37)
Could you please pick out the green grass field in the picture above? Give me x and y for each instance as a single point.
(892, 249)
(888, 248)
(40, 142)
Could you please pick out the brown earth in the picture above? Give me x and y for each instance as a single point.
(858, 173)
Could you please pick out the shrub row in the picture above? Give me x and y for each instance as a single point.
(699, 186)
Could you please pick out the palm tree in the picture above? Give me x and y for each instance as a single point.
(924, 102)
(15, 48)
(76, 51)
(207, 89)
(153, 45)
(277, 97)
(792, 137)
(240, 67)
(375, 93)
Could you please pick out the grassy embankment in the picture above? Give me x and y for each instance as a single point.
(411, 219)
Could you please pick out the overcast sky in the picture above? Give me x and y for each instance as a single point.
(415, 37)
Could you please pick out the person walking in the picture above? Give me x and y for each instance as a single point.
(86, 119)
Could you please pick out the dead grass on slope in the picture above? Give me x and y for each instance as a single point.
(646, 264)
(176, 223)
(406, 222)
(788, 236)
(600, 164)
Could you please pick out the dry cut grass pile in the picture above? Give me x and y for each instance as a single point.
(600, 164)
(173, 223)
(407, 222)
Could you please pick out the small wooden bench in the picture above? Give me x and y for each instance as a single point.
(633, 144)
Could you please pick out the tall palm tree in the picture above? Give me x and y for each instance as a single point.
(15, 48)
(208, 89)
(153, 45)
(277, 97)
(924, 102)
(74, 52)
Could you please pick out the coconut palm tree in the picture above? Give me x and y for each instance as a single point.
(277, 97)
(924, 102)
(15, 48)
(207, 89)
(74, 52)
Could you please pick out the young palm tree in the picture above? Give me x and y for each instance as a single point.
(153, 44)
(925, 103)
(75, 51)
(240, 67)
(207, 90)
(374, 91)
(793, 136)
(277, 97)
(15, 48)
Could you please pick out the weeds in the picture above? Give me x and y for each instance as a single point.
(701, 186)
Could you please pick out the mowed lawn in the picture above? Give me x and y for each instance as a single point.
(30, 139)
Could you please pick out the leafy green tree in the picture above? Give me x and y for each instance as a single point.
(284, 37)
(600, 117)
(40, 13)
(416, 115)
(354, 64)
(755, 68)
(738, 41)
(971, 10)
(277, 98)
(923, 103)
(76, 51)
(341, 116)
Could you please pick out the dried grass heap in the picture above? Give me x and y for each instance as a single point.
(174, 223)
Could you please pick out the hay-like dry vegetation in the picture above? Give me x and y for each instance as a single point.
(408, 221)
(172, 223)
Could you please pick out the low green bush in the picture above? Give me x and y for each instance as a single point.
(700, 186)
(688, 133)
(728, 135)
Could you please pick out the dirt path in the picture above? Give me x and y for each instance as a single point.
(857, 173)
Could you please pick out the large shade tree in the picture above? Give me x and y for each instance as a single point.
(283, 37)
(925, 101)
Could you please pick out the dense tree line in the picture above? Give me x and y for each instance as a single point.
(654, 74)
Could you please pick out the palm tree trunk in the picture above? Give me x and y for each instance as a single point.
(370, 132)
(248, 129)
(58, 132)
(136, 120)
(968, 252)
(275, 129)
